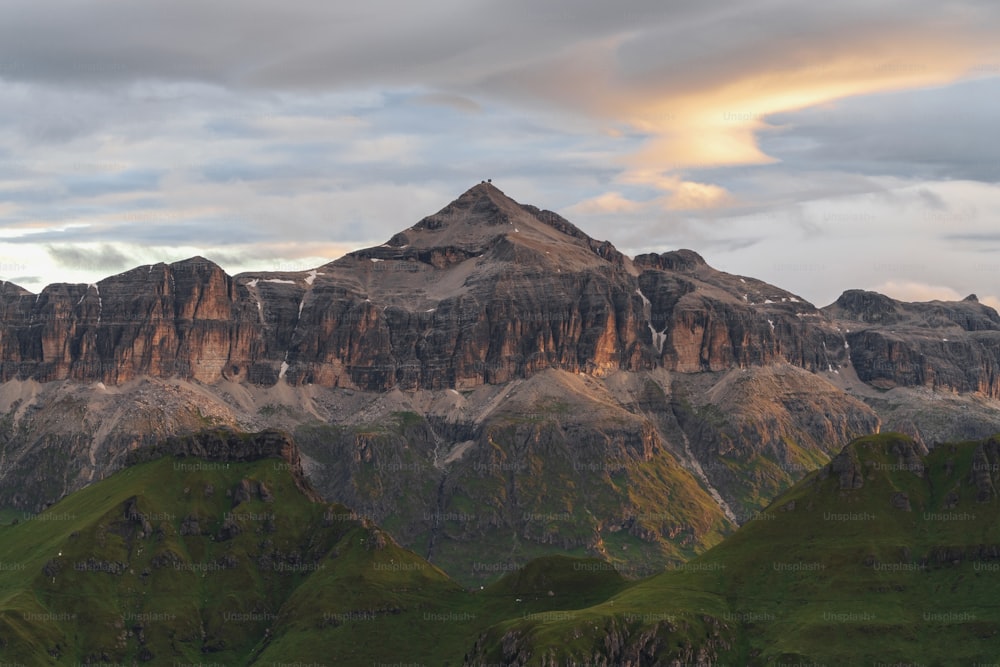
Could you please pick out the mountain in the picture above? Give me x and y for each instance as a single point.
(491, 384)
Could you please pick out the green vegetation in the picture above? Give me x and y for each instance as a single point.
(828, 574)
(885, 556)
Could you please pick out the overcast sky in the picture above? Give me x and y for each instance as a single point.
(818, 147)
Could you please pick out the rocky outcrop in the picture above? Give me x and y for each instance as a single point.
(951, 346)
(985, 472)
(617, 641)
(226, 445)
(846, 467)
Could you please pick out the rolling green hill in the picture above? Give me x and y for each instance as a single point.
(887, 555)
(182, 559)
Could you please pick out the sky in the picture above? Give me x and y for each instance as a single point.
(819, 148)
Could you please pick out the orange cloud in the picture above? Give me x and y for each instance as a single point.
(914, 291)
(609, 202)
(716, 123)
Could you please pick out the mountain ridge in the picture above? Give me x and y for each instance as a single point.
(513, 390)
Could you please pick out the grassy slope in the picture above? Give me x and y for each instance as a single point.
(842, 579)
(802, 584)
(334, 589)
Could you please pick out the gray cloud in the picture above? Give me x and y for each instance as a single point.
(102, 258)
(917, 134)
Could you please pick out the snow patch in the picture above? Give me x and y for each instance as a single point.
(279, 280)
(252, 287)
(771, 324)
(376, 259)
(768, 301)
(284, 369)
(742, 281)
(642, 296)
(312, 276)
(659, 337)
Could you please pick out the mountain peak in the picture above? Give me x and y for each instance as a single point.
(482, 205)
(195, 263)
(485, 220)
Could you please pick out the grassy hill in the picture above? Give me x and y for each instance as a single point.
(887, 555)
(193, 560)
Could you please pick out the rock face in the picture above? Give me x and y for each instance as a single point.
(952, 346)
(484, 291)
(226, 445)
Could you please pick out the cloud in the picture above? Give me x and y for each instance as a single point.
(103, 257)
(916, 291)
(27, 280)
(609, 202)
(927, 133)
(700, 81)
(451, 101)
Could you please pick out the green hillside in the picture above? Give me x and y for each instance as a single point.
(189, 560)
(887, 555)
(841, 570)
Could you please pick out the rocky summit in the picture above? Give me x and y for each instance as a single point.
(491, 384)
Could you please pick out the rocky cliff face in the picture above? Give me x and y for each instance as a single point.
(951, 346)
(484, 291)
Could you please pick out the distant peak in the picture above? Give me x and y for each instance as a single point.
(868, 306)
(484, 190)
(673, 260)
(972, 297)
(195, 263)
(481, 205)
